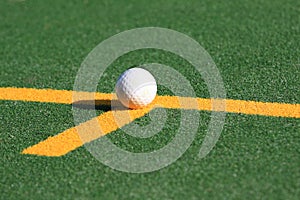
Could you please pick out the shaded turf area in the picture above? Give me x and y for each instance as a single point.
(255, 45)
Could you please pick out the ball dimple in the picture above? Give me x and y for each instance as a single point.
(136, 88)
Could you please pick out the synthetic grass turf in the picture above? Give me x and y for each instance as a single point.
(255, 46)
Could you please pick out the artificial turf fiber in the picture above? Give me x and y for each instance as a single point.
(255, 45)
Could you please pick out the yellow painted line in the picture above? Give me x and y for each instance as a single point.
(70, 139)
(233, 106)
(263, 108)
(110, 121)
(47, 95)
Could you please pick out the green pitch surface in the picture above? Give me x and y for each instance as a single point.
(255, 45)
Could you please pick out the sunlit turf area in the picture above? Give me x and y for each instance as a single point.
(255, 45)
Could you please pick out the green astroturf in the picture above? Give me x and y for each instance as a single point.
(255, 45)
